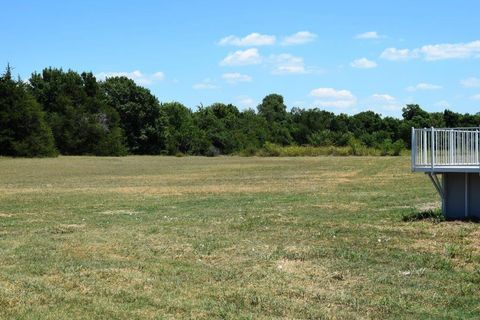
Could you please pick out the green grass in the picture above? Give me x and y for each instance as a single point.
(230, 237)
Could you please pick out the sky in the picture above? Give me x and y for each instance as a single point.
(341, 56)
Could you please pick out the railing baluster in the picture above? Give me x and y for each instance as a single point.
(476, 147)
(432, 152)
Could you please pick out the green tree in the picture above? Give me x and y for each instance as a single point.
(311, 126)
(220, 123)
(23, 130)
(81, 121)
(139, 112)
(179, 135)
(274, 111)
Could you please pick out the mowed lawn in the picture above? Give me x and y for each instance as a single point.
(229, 237)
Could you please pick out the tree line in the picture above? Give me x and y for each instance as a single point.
(65, 112)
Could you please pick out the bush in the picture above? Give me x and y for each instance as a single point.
(248, 151)
(212, 151)
(397, 147)
(321, 138)
(357, 147)
(385, 147)
(270, 150)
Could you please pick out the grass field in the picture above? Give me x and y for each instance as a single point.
(229, 237)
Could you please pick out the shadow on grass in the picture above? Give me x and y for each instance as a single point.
(434, 215)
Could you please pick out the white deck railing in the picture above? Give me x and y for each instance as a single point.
(445, 149)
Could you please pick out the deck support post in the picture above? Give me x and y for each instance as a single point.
(466, 195)
(437, 184)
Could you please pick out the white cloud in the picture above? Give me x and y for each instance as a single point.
(246, 102)
(253, 39)
(423, 86)
(383, 97)
(158, 75)
(385, 102)
(475, 97)
(451, 51)
(368, 35)
(363, 63)
(286, 63)
(236, 77)
(434, 52)
(299, 38)
(242, 57)
(206, 84)
(395, 54)
(136, 75)
(471, 82)
(329, 97)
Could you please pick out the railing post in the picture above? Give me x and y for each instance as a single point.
(414, 148)
(451, 142)
(476, 147)
(424, 146)
(432, 152)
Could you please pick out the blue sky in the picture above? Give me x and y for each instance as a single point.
(343, 56)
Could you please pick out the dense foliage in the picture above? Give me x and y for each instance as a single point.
(74, 114)
(81, 120)
(23, 130)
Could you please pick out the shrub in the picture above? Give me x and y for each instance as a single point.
(357, 148)
(397, 147)
(385, 147)
(212, 151)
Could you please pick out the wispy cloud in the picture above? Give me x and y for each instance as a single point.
(368, 35)
(235, 77)
(256, 39)
(434, 52)
(253, 39)
(330, 97)
(475, 97)
(471, 82)
(242, 57)
(286, 63)
(394, 54)
(300, 37)
(136, 75)
(363, 63)
(246, 102)
(423, 86)
(206, 84)
(451, 50)
(383, 101)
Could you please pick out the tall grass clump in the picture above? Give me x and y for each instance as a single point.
(354, 148)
